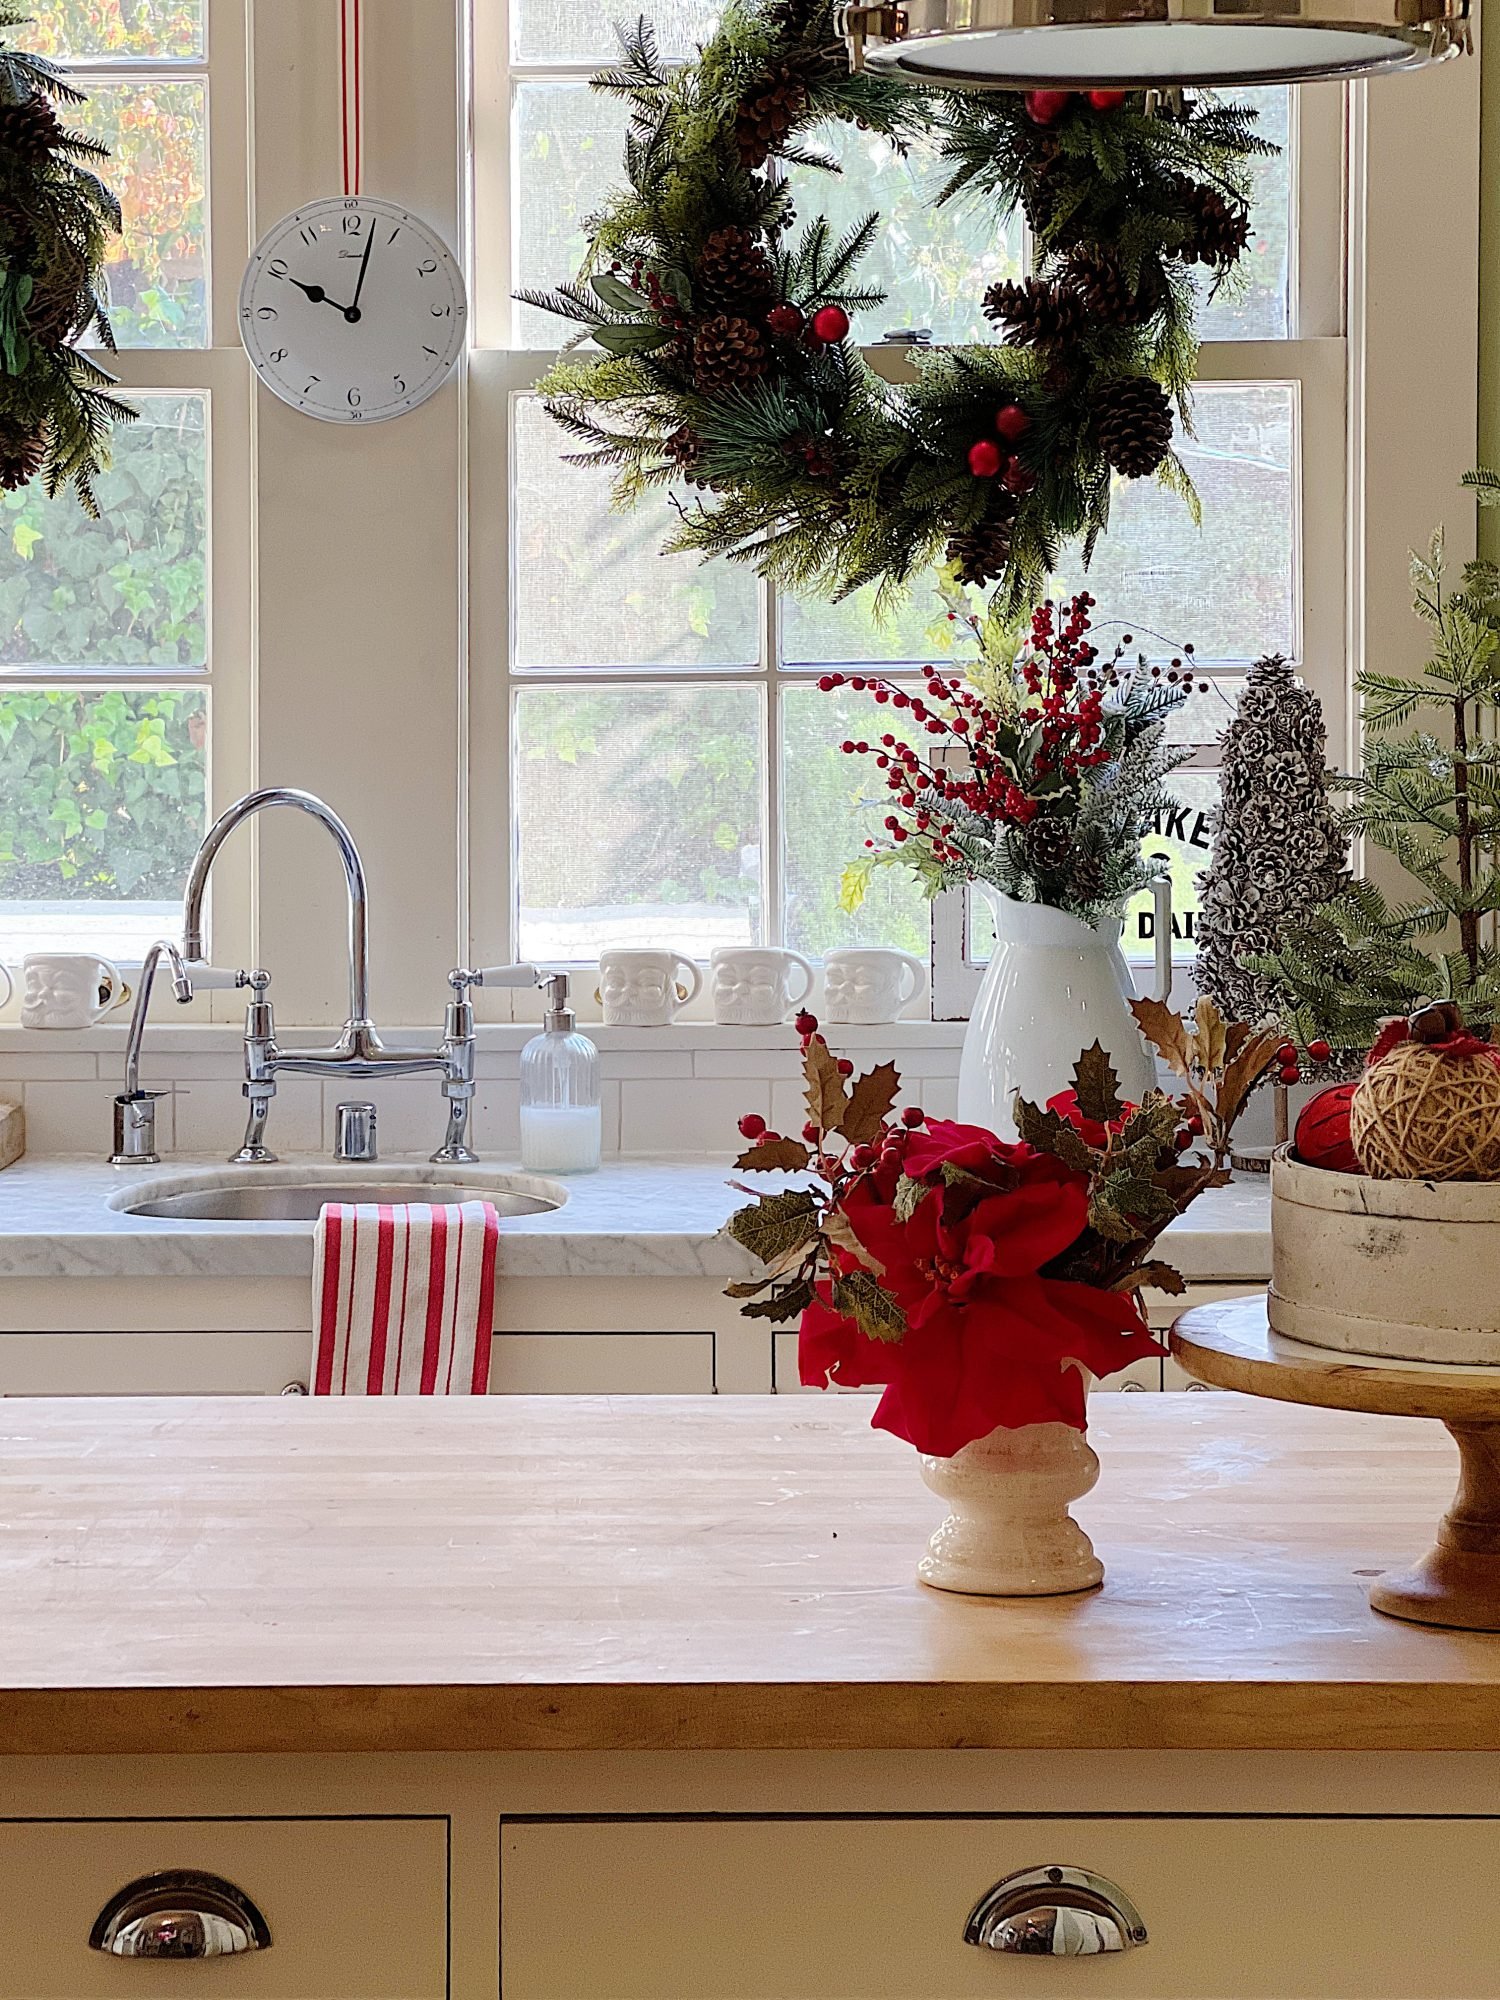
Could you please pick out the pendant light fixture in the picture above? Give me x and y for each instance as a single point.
(1143, 44)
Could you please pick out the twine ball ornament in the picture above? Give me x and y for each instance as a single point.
(1428, 1106)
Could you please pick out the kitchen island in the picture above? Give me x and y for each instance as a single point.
(640, 1696)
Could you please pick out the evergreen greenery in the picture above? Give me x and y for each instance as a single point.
(823, 475)
(1430, 800)
(56, 220)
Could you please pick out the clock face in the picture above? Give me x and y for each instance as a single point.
(352, 310)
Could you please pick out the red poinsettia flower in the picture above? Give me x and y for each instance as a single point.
(1092, 1130)
(989, 1341)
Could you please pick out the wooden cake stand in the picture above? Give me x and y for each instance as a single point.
(1230, 1346)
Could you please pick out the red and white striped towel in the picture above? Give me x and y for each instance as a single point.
(403, 1299)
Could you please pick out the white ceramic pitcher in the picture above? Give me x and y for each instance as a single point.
(1054, 985)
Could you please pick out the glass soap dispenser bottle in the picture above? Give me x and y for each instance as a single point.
(559, 1092)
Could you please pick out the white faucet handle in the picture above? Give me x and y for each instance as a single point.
(501, 975)
(216, 978)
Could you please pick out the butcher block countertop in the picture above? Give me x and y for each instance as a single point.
(717, 1573)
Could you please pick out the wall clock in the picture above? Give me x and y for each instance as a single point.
(352, 310)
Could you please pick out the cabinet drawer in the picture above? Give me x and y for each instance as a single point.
(844, 1909)
(357, 1909)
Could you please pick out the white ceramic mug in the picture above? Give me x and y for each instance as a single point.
(865, 985)
(640, 989)
(69, 989)
(751, 985)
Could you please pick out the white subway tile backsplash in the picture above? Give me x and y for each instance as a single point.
(211, 1117)
(670, 1117)
(79, 1118)
(45, 1065)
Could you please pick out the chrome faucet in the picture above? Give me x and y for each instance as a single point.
(135, 1109)
(358, 1050)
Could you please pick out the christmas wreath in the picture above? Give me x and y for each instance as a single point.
(56, 219)
(727, 362)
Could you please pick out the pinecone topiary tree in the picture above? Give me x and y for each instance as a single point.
(1278, 847)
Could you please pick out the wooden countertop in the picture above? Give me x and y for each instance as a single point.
(550, 1573)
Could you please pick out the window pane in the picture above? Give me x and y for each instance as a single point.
(591, 586)
(638, 818)
(101, 810)
(158, 293)
(1182, 836)
(569, 144)
(1257, 307)
(817, 633)
(127, 590)
(93, 30)
(1227, 588)
(548, 31)
(933, 264)
(832, 804)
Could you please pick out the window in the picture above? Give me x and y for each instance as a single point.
(674, 773)
(109, 653)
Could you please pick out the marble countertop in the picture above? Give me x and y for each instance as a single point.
(61, 1217)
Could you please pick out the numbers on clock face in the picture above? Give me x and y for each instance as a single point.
(352, 310)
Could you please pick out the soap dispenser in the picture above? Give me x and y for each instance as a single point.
(559, 1092)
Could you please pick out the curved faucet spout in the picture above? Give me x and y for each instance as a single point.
(359, 1025)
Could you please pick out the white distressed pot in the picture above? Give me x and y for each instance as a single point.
(1053, 987)
(1405, 1269)
(1009, 1532)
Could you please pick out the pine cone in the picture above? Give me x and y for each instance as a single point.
(982, 552)
(683, 448)
(1041, 312)
(728, 353)
(733, 274)
(1219, 229)
(765, 120)
(27, 131)
(1133, 424)
(1106, 292)
(61, 302)
(21, 454)
(1086, 880)
(1049, 846)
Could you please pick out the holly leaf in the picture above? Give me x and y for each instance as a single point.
(1209, 1035)
(827, 1097)
(1049, 1133)
(869, 1101)
(775, 1156)
(863, 1298)
(746, 1288)
(1165, 1032)
(836, 1231)
(908, 1197)
(1126, 1205)
(1235, 1037)
(788, 1303)
(777, 1225)
(1160, 1277)
(1241, 1076)
(1096, 1086)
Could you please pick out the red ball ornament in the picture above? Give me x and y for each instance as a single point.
(1106, 100)
(830, 324)
(985, 458)
(1012, 422)
(1319, 1050)
(1322, 1135)
(1045, 107)
(1018, 478)
(785, 320)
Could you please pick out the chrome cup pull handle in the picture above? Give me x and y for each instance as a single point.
(1055, 1913)
(179, 1913)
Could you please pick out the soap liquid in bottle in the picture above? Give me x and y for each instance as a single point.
(560, 1123)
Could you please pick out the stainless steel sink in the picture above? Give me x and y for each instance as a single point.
(300, 1201)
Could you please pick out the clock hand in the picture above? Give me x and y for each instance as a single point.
(351, 311)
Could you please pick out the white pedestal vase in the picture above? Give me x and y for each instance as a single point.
(1009, 1533)
(1054, 985)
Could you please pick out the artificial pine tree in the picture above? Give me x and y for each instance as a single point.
(1278, 846)
(1434, 806)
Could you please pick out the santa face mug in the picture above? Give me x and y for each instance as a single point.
(640, 989)
(69, 989)
(865, 985)
(751, 985)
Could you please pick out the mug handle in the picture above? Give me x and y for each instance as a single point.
(10, 986)
(692, 967)
(809, 976)
(920, 981)
(119, 989)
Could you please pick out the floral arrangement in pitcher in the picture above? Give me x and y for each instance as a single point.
(980, 1282)
(1039, 772)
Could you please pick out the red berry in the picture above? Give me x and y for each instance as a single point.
(785, 319)
(846, 1068)
(1289, 1073)
(829, 324)
(811, 1133)
(913, 1116)
(1182, 1141)
(752, 1125)
(1195, 1123)
(1018, 478)
(805, 1023)
(862, 1157)
(1012, 422)
(985, 458)
(1045, 107)
(1319, 1050)
(1286, 1052)
(1106, 100)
